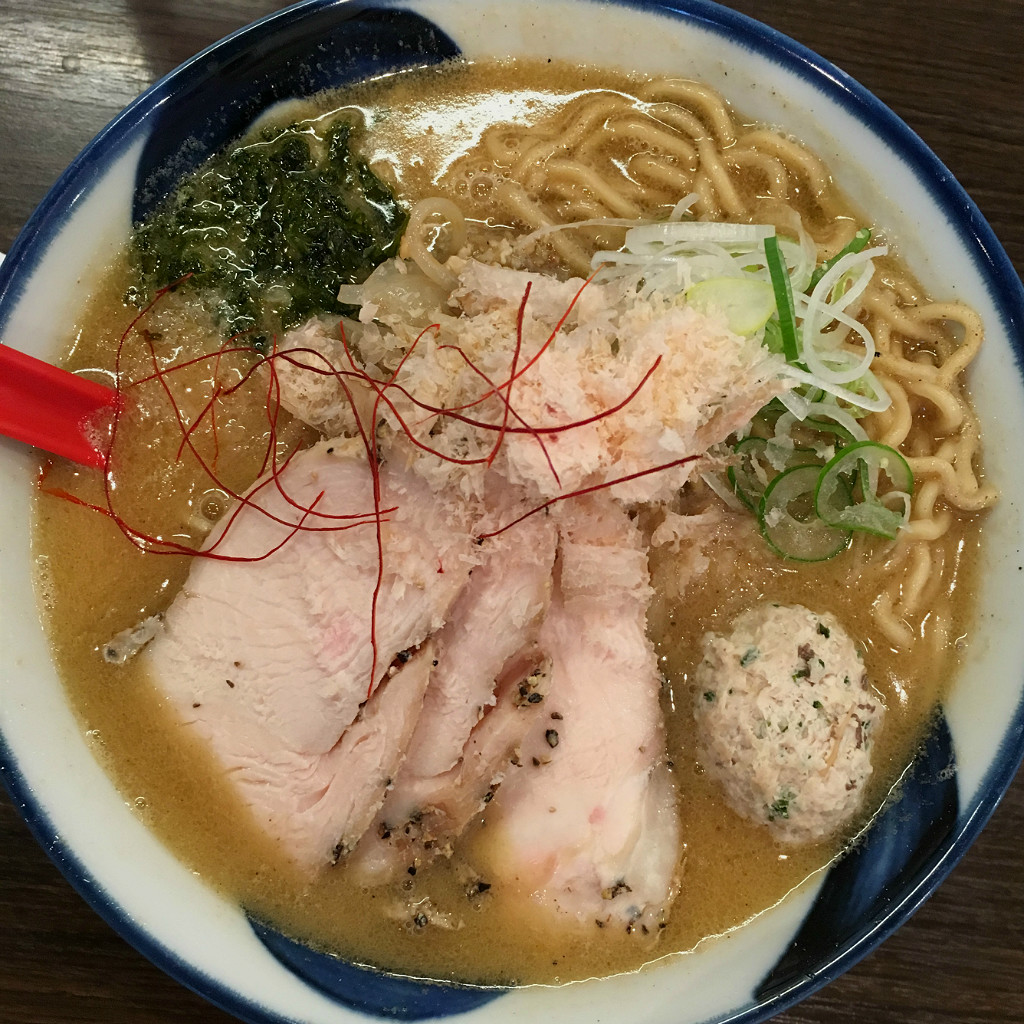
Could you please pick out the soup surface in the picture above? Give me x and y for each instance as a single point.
(510, 160)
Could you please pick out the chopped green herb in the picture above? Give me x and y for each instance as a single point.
(709, 695)
(783, 289)
(750, 657)
(824, 630)
(856, 244)
(269, 230)
(817, 704)
(780, 808)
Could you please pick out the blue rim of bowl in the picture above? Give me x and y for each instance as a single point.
(82, 879)
(976, 236)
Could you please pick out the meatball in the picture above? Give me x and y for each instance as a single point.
(785, 720)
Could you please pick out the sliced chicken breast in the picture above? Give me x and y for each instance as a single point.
(485, 655)
(424, 816)
(496, 615)
(271, 661)
(589, 825)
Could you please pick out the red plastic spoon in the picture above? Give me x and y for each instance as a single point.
(53, 409)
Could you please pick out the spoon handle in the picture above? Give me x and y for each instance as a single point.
(53, 409)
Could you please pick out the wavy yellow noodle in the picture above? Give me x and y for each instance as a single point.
(606, 155)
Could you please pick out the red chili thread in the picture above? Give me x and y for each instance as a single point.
(588, 490)
(374, 460)
(543, 348)
(275, 467)
(160, 375)
(507, 404)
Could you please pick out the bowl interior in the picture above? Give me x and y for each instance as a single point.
(48, 765)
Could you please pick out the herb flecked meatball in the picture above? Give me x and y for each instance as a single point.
(786, 718)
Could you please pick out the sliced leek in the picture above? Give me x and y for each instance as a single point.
(860, 467)
(789, 520)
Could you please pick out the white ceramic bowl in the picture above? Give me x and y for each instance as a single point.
(208, 943)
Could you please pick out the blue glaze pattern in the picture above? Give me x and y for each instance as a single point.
(368, 990)
(326, 43)
(903, 846)
(298, 53)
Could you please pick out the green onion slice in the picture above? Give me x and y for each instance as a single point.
(856, 244)
(746, 481)
(750, 475)
(842, 434)
(861, 466)
(783, 297)
(746, 302)
(789, 519)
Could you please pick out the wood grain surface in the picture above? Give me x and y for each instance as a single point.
(951, 70)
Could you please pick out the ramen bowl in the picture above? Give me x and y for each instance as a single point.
(782, 955)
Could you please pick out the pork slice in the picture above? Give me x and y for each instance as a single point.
(270, 661)
(589, 826)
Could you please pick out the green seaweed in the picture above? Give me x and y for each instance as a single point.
(266, 232)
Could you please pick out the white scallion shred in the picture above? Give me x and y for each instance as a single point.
(831, 411)
(723, 490)
(823, 351)
(835, 350)
(877, 400)
(724, 270)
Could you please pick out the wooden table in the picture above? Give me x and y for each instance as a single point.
(952, 70)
